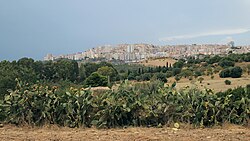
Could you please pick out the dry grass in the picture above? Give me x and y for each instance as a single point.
(217, 84)
(158, 62)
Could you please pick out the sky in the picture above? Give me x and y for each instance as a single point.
(34, 28)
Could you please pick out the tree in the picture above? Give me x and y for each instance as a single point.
(169, 74)
(67, 69)
(197, 73)
(146, 76)
(26, 62)
(226, 63)
(82, 73)
(161, 76)
(48, 71)
(248, 69)
(95, 80)
(214, 59)
(177, 78)
(227, 82)
(225, 73)
(176, 71)
(186, 73)
(209, 71)
(178, 64)
(90, 68)
(7, 77)
(236, 72)
(108, 72)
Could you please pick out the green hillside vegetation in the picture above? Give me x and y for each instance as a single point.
(55, 92)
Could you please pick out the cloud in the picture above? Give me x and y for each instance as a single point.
(211, 33)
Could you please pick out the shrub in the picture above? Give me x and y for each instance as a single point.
(227, 82)
(236, 72)
(161, 76)
(212, 77)
(177, 78)
(146, 76)
(226, 63)
(200, 79)
(176, 71)
(225, 73)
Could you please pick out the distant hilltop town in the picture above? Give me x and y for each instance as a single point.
(139, 52)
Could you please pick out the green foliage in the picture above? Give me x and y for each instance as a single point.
(161, 76)
(108, 72)
(179, 64)
(177, 78)
(186, 73)
(234, 72)
(146, 76)
(67, 69)
(227, 82)
(214, 59)
(226, 63)
(145, 104)
(225, 73)
(176, 71)
(95, 79)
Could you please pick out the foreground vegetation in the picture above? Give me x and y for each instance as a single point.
(145, 104)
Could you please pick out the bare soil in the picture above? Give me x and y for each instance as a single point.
(53, 133)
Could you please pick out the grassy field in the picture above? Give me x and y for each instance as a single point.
(158, 62)
(217, 84)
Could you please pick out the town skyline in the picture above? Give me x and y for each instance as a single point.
(140, 52)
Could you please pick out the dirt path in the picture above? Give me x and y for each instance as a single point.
(231, 133)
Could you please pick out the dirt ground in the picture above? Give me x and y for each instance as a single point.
(53, 133)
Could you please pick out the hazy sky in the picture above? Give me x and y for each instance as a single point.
(33, 28)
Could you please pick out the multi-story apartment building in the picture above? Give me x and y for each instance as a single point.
(138, 52)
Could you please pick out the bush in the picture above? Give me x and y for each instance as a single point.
(227, 82)
(236, 72)
(226, 63)
(200, 79)
(177, 78)
(146, 76)
(212, 76)
(176, 71)
(197, 73)
(161, 76)
(225, 73)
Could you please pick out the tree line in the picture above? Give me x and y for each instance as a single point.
(66, 72)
